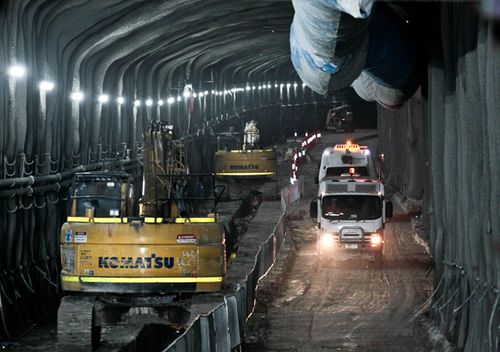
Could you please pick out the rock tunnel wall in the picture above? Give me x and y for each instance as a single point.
(455, 130)
(144, 51)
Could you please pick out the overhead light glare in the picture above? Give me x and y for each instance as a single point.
(17, 71)
(103, 98)
(76, 96)
(46, 85)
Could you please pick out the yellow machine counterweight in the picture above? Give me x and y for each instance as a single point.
(115, 258)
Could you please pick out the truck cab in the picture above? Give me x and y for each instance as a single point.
(351, 213)
(346, 159)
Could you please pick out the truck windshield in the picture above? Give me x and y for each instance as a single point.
(338, 171)
(351, 207)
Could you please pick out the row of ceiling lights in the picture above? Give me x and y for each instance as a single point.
(18, 71)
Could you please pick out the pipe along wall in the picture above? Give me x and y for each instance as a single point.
(34, 188)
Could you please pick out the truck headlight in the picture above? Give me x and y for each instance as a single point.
(375, 240)
(327, 239)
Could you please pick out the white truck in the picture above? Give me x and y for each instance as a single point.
(351, 213)
(346, 159)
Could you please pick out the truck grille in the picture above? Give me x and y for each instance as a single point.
(351, 234)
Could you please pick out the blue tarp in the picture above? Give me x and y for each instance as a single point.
(337, 42)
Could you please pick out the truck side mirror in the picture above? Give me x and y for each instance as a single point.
(316, 179)
(388, 210)
(313, 209)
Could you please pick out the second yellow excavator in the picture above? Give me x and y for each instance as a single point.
(241, 166)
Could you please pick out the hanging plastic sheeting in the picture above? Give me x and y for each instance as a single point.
(329, 42)
(338, 43)
(391, 75)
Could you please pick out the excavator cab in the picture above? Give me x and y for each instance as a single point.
(102, 194)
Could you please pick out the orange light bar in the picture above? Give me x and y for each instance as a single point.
(351, 147)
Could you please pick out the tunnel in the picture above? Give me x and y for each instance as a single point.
(82, 82)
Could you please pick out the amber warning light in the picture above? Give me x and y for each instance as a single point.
(351, 147)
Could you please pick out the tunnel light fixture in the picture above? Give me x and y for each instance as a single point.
(179, 98)
(103, 98)
(160, 102)
(281, 85)
(295, 85)
(288, 85)
(253, 87)
(186, 94)
(170, 100)
(200, 94)
(269, 86)
(205, 92)
(16, 71)
(149, 102)
(120, 100)
(303, 85)
(213, 92)
(46, 86)
(247, 88)
(195, 95)
(260, 87)
(276, 85)
(137, 103)
(76, 96)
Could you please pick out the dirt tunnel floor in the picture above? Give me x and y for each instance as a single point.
(349, 305)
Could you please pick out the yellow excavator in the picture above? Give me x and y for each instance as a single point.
(118, 260)
(241, 166)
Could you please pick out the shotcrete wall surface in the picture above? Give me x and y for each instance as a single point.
(459, 122)
(200, 66)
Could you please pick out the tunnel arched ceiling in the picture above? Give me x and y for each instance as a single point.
(135, 49)
(93, 45)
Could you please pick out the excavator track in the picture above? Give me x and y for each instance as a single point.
(75, 330)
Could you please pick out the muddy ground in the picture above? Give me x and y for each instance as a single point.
(348, 305)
